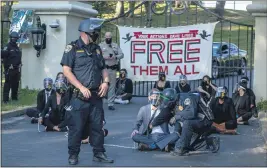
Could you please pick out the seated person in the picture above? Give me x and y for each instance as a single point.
(182, 86)
(42, 98)
(242, 104)
(196, 119)
(251, 95)
(61, 76)
(207, 89)
(162, 84)
(152, 136)
(124, 88)
(56, 116)
(224, 112)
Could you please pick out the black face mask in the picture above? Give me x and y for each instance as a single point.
(93, 36)
(13, 40)
(60, 91)
(108, 40)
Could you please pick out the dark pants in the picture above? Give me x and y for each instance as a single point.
(32, 112)
(160, 139)
(189, 128)
(90, 111)
(128, 96)
(246, 116)
(12, 78)
(51, 121)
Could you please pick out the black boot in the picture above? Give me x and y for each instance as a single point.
(179, 151)
(213, 144)
(73, 159)
(102, 157)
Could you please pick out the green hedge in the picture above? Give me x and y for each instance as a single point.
(262, 105)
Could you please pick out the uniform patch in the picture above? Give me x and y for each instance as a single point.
(187, 102)
(97, 51)
(68, 48)
(79, 51)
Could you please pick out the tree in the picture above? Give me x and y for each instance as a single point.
(131, 7)
(6, 9)
(220, 8)
(119, 8)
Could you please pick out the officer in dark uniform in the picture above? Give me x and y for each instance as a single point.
(11, 57)
(84, 67)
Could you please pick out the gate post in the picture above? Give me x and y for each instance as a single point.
(259, 10)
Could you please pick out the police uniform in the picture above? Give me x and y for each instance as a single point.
(11, 55)
(112, 66)
(86, 63)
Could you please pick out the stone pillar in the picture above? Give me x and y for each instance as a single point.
(69, 14)
(259, 10)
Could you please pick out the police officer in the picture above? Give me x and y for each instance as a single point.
(112, 55)
(11, 56)
(84, 67)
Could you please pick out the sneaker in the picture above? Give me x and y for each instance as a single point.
(73, 159)
(125, 102)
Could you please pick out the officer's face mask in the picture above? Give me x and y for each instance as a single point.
(108, 40)
(13, 40)
(93, 36)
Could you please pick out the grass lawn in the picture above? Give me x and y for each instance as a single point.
(26, 98)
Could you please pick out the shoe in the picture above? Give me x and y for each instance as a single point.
(63, 129)
(105, 132)
(102, 157)
(143, 147)
(213, 144)
(34, 120)
(73, 159)
(111, 108)
(179, 151)
(169, 148)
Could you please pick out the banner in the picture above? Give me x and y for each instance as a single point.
(22, 21)
(176, 50)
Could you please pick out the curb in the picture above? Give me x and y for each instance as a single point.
(263, 125)
(15, 113)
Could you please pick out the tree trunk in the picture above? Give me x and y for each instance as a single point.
(131, 7)
(220, 8)
(119, 8)
(5, 13)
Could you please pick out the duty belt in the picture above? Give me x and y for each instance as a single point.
(113, 67)
(78, 94)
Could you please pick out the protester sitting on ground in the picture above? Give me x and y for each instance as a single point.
(242, 104)
(152, 136)
(162, 83)
(183, 86)
(61, 76)
(124, 88)
(224, 113)
(42, 98)
(56, 116)
(251, 95)
(207, 88)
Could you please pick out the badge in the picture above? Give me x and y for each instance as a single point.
(187, 102)
(180, 108)
(79, 51)
(68, 48)
(98, 52)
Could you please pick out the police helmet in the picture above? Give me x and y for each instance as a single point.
(60, 86)
(14, 35)
(154, 97)
(90, 25)
(48, 83)
(221, 92)
(169, 97)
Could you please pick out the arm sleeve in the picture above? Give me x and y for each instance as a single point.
(39, 102)
(129, 86)
(155, 84)
(4, 52)
(139, 119)
(47, 106)
(68, 56)
(168, 84)
(231, 124)
(177, 89)
(164, 116)
(120, 54)
(248, 104)
(101, 59)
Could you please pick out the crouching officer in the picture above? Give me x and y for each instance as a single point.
(84, 67)
(11, 56)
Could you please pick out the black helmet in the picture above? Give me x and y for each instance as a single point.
(90, 25)
(169, 97)
(14, 35)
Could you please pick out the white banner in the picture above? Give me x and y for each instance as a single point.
(176, 50)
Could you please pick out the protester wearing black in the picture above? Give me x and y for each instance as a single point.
(207, 89)
(42, 99)
(183, 86)
(224, 112)
(124, 88)
(53, 114)
(162, 83)
(84, 67)
(242, 104)
(11, 56)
